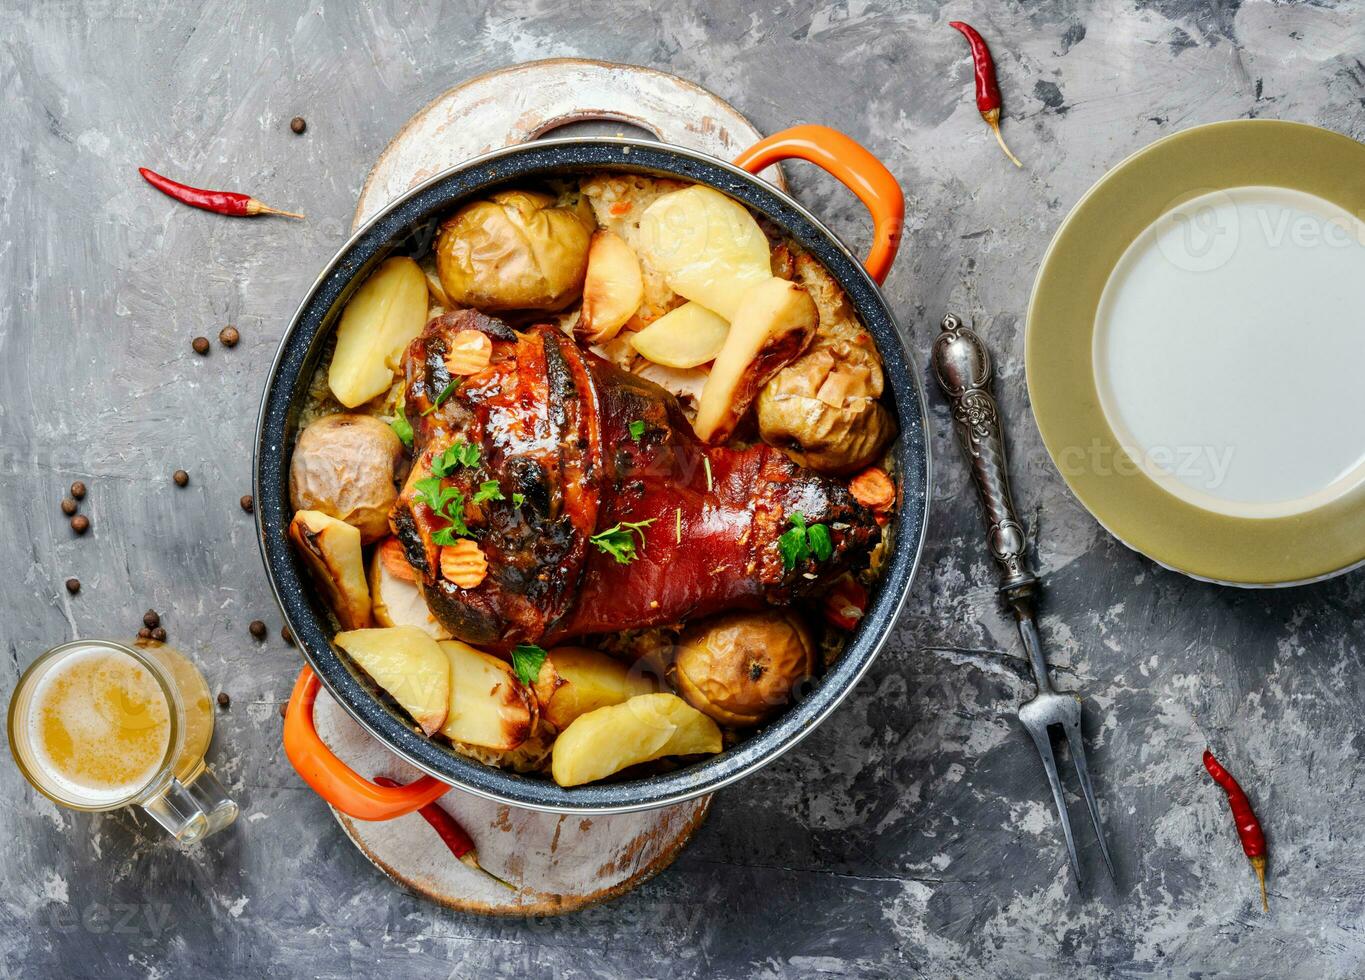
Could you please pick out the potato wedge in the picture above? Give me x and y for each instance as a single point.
(708, 247)
(380, 320)
(773, 325)
(395, 602)
(683, 338)
(489, 707)
(407, 664)
(576, 680)
(613, 289)
(646, 727)
(331, 550)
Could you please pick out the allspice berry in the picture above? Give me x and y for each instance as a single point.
(247, 503)
(159, 634)
(78, 490)
(223, 699)
(200, 345)
(257, 629)
(287, 635)
(180, 477)
(298, 124)
(73, 585)
(68, 506)
(80, 523)
(151, 619)
(229, 336)
(144, 634)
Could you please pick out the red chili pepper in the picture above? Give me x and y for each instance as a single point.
(987, 91)
(1248, 827)
(219, 202)
(455, 837)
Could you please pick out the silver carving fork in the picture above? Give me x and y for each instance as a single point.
(963, 367)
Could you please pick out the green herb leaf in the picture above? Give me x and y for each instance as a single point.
(488, 490)
(446, 502)
(637, 429)
(793, 547)
(801, 542)
(821, 546)
(429, 491)
(518, 499)
(445, 537)
(402, 428)
(456, 455)
(619, 541)
(445, 393)
(527, 659)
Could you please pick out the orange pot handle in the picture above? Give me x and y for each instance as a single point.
(857, 169)
(332, 779)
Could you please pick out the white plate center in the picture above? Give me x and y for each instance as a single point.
(1229, 350)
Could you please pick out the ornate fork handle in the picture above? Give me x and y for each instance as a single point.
(963, 367)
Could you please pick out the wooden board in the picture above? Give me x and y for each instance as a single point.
(522, 102)
(558, 863)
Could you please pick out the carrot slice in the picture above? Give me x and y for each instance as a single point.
(463, 564)
(395, 560)
(469, 352)
(873, 488)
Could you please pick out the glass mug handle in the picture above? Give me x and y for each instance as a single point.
(192, 810)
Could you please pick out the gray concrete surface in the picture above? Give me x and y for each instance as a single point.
(911, 834)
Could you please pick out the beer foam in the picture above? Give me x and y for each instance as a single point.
(98, 726)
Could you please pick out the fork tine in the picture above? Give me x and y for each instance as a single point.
(1044, 744)
(1077, 744)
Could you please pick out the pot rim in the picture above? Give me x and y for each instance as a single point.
(911, 449)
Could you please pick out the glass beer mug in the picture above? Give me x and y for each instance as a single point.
(96, 725)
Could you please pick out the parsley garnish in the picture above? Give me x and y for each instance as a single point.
(447, 502)
(488, 490)
(619, 541)
(518, 499)
(402, 429)
(446, 392)
(456, 455)
(637, 429)
(527, 659)
(802, 542)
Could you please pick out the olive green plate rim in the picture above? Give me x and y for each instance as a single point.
(1059, 335)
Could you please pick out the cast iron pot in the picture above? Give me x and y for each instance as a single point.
(408, 226)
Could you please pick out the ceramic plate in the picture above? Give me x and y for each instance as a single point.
(1195, 345)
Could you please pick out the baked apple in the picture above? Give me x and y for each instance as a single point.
(741, 668)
